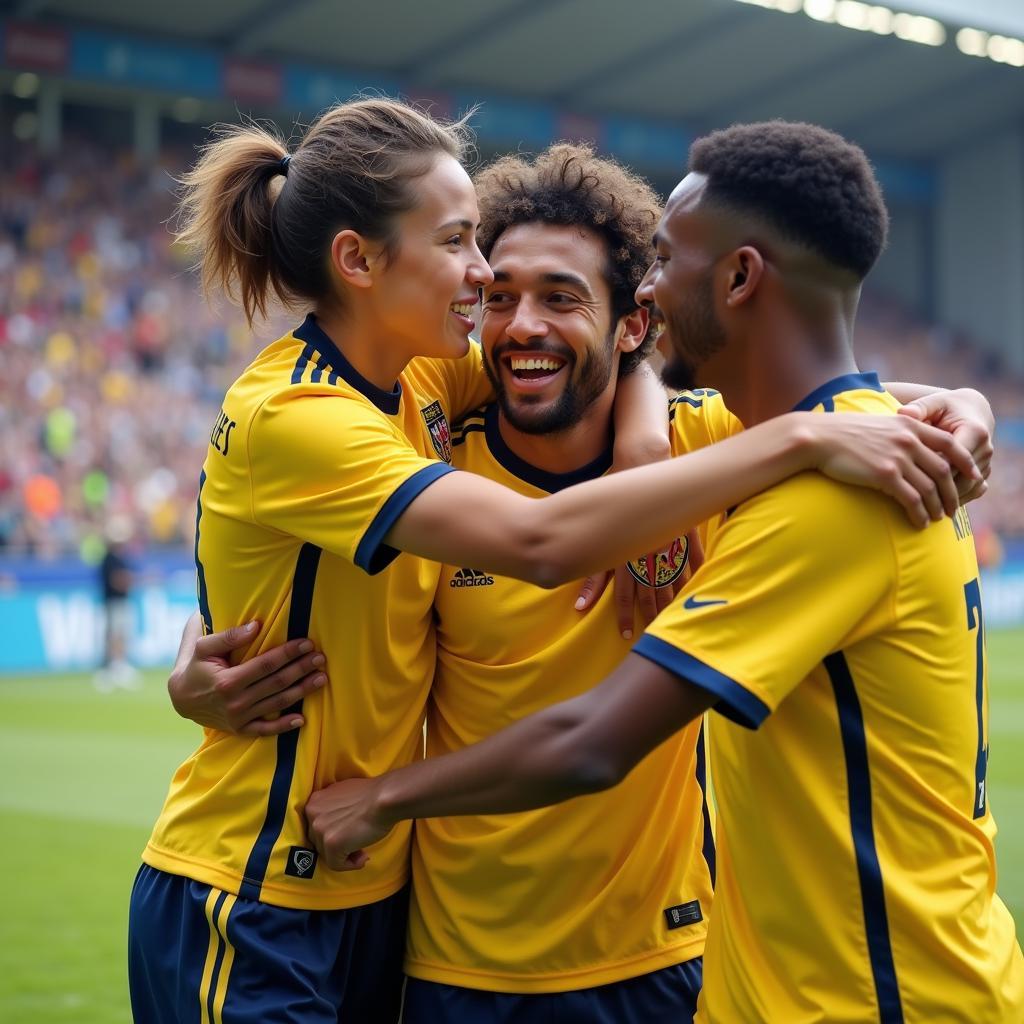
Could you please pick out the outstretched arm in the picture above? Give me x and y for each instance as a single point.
(468, 520)
(580, 746)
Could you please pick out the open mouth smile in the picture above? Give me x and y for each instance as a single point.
(463, 312)
(533, 370)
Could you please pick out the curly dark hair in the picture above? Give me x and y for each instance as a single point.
(568, 185)
(809, 183)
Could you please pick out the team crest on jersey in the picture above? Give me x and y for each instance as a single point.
(440, 435)
(662, 568)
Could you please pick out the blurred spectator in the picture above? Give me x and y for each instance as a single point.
(116, 580)
(114, 366)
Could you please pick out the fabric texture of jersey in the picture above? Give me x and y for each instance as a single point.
(602, 888)
(856, 874)
(309, 466)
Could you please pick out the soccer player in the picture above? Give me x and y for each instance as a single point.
(843, 650)
(327, 460)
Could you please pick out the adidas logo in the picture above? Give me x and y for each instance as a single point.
(471, 578)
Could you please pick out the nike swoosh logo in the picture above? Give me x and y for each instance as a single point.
(692, 602)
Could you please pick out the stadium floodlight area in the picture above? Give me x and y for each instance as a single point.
(990, 29)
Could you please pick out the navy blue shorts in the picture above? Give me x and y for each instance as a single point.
(668, 996)
(197, 955)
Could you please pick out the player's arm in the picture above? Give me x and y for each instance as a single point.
(468, 520)
(580, 746)
(965, 413)
(641, 438)
(245, 699)
(759, 620)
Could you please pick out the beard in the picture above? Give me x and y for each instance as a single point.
(588, 379)
(694, 333)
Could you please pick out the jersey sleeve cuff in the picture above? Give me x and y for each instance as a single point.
(735, 701)
(372, 554)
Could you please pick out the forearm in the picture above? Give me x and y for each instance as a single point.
(534, 763)
(189, 637)
(586, 528)
(905, 393)
(641, 422)
(607, 522)
(583, 745)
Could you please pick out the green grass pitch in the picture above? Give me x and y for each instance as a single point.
(84, 775)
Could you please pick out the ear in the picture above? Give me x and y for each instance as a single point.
(744, 270)
(631, 330)
(352, 258)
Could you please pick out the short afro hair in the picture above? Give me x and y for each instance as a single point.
(809, 183)
(568, 185)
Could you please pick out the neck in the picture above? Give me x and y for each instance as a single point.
(768, 371)
(569, 449)
(360, 343)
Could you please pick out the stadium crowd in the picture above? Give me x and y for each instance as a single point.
(114, 365)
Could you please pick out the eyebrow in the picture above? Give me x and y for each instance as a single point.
(554, 278)
(464, 224)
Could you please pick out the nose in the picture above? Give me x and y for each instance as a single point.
(526, 322)
(480, 274)
(644, 294)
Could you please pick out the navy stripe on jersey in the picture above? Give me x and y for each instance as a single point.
(688, 399)
(287, 743)
(300, 364)
(317, 338)
(826, 393)
(550, 482)
(872, 888)
(372, 554)
(469, 423)
(204, 598)
(219, 960)
(460, 433)
(735, 701)
(708, 847)
(318, 370)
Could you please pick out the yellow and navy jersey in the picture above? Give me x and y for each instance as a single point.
(604, 887)
(309, 466)
(856, 874)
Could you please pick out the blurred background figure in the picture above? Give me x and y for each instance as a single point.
(116, 580)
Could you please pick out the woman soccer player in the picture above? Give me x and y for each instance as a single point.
(328, 459)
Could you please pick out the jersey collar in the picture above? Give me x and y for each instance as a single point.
(314, 335)
(550, 482)
(825, 394)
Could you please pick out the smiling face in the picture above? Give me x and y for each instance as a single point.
(679, 285)
(550, 346)
(424, 295)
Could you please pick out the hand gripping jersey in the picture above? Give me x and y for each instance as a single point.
(601, 888)
(308, 467)
(856, 875)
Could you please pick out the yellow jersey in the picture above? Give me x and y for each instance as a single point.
(856, 874)
(309, 466)
(602, 888)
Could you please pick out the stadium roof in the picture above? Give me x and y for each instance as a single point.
(695, 64)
